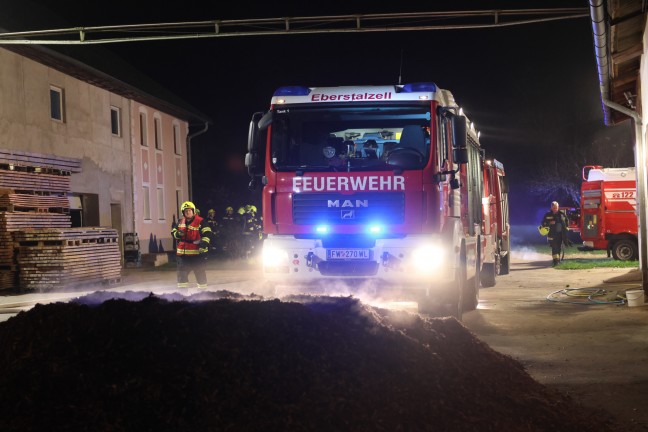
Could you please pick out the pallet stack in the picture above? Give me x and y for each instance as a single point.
(34, 201)
(58, 258)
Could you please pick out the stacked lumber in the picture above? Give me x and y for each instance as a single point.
(14, 221)
(41, 161)
(8, 271)
(33, 181)
(51, 258)
(12, 201)
(33, 195)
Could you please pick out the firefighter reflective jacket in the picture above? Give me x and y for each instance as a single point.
(194, 238)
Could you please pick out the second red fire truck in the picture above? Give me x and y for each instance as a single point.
(608, 219)
(385, 183)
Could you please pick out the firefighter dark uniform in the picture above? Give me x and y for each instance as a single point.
(556, 220)
(252, 229)
(215, 229)
(193, 237)
(229, 220)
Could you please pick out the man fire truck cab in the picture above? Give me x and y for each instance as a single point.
(375, 182)
(608, 219)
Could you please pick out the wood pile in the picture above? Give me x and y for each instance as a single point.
(57, 258)
(39, 160)
(34, 207)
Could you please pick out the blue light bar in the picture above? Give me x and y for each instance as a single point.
(376, 229)
(419, 87)
(322, 229)
(292, 91)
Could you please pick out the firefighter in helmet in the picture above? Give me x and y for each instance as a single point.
(228, 219)
(193, 236)
(252, 229)
(555, 226)
(215, 229)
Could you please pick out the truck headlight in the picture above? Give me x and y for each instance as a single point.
(427, 258)
(275, 258)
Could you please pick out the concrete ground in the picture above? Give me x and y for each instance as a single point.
(595, 352)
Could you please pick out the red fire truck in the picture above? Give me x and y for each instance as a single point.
(496, 228)
(608, 219)
(384, 183)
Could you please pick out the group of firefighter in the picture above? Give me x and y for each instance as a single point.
(234, 235)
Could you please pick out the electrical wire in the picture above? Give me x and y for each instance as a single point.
(586, 296)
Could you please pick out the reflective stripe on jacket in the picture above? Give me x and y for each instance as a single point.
(191, 237)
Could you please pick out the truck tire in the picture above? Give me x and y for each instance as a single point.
(455, 302)
(625, 250)
(488, 275)
(448, 302)
(470, 295)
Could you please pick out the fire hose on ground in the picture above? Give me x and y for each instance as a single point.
(586, 296)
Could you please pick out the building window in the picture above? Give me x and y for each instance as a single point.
(147, 203)
(176, 139)
(178, 202)
(158, 133)
(115, 121)
(57, 104)
(143, 135)
(160, 203)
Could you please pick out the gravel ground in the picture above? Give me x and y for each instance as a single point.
(230, 362)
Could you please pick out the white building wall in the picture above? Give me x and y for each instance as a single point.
(158, 169)
(110, 164)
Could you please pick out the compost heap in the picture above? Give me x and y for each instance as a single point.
(245, 364)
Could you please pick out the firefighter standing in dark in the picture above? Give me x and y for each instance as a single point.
(215, 230)
(252, 229)
(556, 221)
(193, 235)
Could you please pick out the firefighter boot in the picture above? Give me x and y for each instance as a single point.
(556, 261)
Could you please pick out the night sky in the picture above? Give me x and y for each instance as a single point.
(531, 90)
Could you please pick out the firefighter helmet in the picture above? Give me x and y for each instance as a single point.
(253, 208)
(187, 205)
(543, 230)
(247, 207)
(241, 210)
(229, 209)
(211, 211)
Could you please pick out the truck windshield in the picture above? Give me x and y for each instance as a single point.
(343, 138)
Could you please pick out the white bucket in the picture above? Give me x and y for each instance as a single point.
(635, 298)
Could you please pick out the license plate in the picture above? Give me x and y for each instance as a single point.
(347, 254)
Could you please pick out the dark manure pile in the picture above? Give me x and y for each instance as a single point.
(316, 364)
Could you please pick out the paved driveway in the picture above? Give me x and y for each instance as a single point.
(598, 353)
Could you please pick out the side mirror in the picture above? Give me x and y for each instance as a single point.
(459, 132)
(254, 182)
(460, 155)
(255, 157)
(253, 131)
(251, 160)
(505, 184)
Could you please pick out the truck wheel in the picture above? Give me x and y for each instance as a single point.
(455, 302)
(625, 250)
(450, 304)
(488, 275)
(470, 295)
(505, 259)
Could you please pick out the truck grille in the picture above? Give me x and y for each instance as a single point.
(338, 209)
